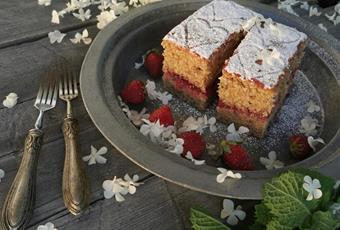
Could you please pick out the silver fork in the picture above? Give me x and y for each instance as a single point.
(19, 203)
(75, 185)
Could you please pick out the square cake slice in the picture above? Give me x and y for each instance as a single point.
(195, 50)
(257, 78)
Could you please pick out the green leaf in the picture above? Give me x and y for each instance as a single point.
(285, 197)
(262, 214)
(202, 221)
(324, 221)
(257, 226)
(327, 184)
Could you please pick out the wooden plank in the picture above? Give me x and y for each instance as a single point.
(150, 208)
(26, 21)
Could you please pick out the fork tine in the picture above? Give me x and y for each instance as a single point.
(75, 83)
(65, 77)
(39, 95)
(70, 77)
(55, 94)
(50, 92)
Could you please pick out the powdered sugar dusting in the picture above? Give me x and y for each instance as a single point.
(208, 28)
(265, 52)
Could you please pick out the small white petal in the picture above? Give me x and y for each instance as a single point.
(309, 197)
(119, 197)
(221, 178)
(240, 214)
(232, 220)
(108, 194)
(55, 17)
(10, 100)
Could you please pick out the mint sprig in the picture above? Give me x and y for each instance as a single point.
(202, 221)
(284, 205)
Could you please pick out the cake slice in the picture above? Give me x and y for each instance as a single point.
(195, 50)
(256, 79)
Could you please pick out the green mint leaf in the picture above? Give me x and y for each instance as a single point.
(202, 221)
(324, 221)
(262, 214)
(327, 184)
(285, 197)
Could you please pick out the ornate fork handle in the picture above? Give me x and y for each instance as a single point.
(75, 187)
(19, 203)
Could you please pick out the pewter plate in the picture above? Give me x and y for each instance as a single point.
(109, 64)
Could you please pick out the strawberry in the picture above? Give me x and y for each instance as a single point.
(134, 92)
(236, 157)
(154, 63)
(299, 147)
(164, 115)
(194, 143)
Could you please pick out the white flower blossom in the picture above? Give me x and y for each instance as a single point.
(119, 7)
(233, 215)
(337, 8)
(308, 126)
(2, 174)
(312, 107)
(96, 156)
(152, 129)
(84, 36)
(47, 226)
(312, 142)
(175, 145)
(56, 36)
(287, 6)
(333, 18)
(153, 94)
(235, 135)
(44, 2)
(196, 162)
(305, 6)
(199, 124)
(270, 57)
(271, 162)
(10, 100)
(114, 188)
(130, 183)
(137, 117)
(313, 11)
(104, 18)
(83, 15)
(138, 65)
(134, 3)
(312, 187)
(321, 26)
(224, 173)
(55, 17)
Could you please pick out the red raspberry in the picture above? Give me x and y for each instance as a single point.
(194, 143)
(134, 92)
(164, 115)
(236, 157)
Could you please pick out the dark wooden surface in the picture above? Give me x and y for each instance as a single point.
(25, 54)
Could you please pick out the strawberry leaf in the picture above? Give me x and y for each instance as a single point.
(285, 197)
(202, 221)
(322, 221)
(225, 147)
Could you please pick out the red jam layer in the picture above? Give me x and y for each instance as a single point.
(241, 111)
(185, 86)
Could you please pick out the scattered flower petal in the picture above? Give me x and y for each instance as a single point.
(104, 18)
(196, 162)
(308, 126)
(337, 185)
(56, 36)
(271, 162)
(270, 57)
(2, 174)
(83, 15)
(233, 215)
(113, 188)
(152, 129)
(337, 8)
(313, 142)
(84, 36)
(312, 187)
(287, 6)
(224, 174)
(119, 7)
(321, 26)
(47, 226)
(305, 6)
(313, 11)
(235, 135)
(153, 94)
(44, 2)
(10, 100)
(312, 107)
(175, 145)
(96, 156)
(131, 183)
(55, 17)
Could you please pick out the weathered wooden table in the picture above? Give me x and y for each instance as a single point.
(25, 54)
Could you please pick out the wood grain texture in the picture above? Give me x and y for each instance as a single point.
(156, 205)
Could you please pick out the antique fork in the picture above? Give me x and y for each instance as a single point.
(75, 185)
(19, 203)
